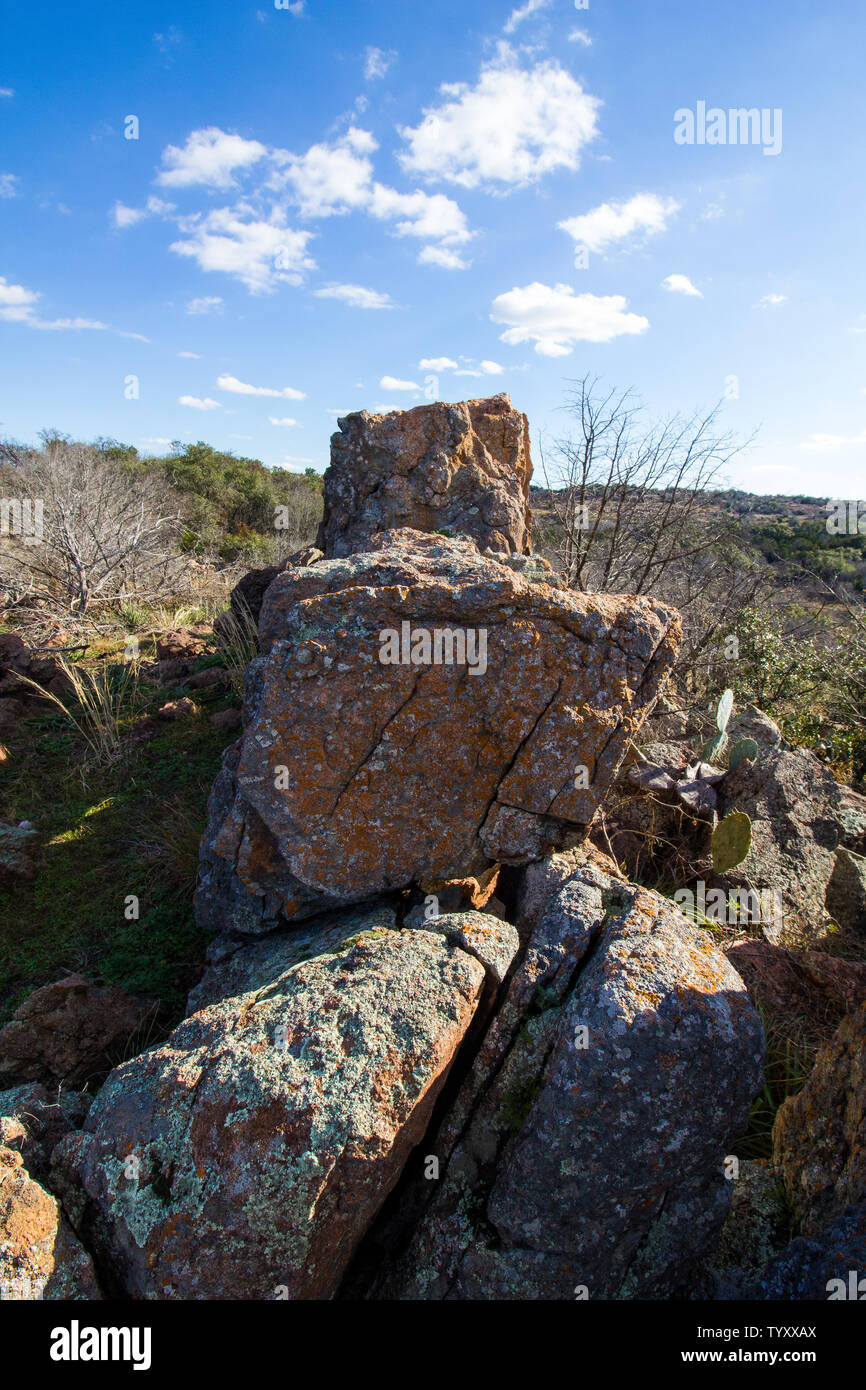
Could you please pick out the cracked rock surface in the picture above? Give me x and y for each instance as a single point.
(462, 468)
(354, 777)
(586, 1146)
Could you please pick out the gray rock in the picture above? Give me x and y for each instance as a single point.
(586, 1145)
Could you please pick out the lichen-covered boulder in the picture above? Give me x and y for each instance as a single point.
(584, 1155)
(819, 1135)
(40, 1256)
(246, 1156)
(462, 469)
(419, 712)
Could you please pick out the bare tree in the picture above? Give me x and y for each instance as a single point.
(630, 499)
(103, 529)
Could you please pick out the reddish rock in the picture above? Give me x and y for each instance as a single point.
(354, 776)
(71, 1031)
(226, 720)
(819, 1136)
(40, 1256)
(177, 709)
(461, 469)
(212, 675)
(810, 990)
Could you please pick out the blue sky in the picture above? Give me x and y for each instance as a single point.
(326, 198)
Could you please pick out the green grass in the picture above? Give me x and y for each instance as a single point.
(790, 1058)
(128, 828)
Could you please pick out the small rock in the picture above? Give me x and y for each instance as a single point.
(226, 720)
(177, 709)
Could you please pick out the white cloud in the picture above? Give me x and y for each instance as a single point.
(530, 7)
(442, 256)
(127, 217)
(7, 92)
(485, 369)
(420, 214)
(242, 388)
(393, 383)
(681, 284)
(580, 36)
(771, 301)
(18, 305)
(831, 443)
(329, 178)
(138, 337)
(196, 355)
(512, 127)
(437, 364)
(15, 299)
(196, 404)
(555, 318)
(210, 156)
(151, 439)
(298, 462)
(356, 296)
(611, 222)
(447, 364)
(295, 7)
(205, 304)
(287, 421)
(337, 178)
(258, 253)
(377, 61)
(7, 186)
(775, 468)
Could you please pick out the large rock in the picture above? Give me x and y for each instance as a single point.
(354, 776)
(585, 1149)
(463, 469)
(793, 802)
(819, 1135)
(72, 1030)
(40, 1256)
(246, 1156)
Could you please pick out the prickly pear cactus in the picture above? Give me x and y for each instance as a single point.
(723, 710)
(714, 747)
(742, 749)
(732, 840)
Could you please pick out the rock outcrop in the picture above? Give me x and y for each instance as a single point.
(459, 469)
(246, 1156)
(419, 712)
(585, 1149)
